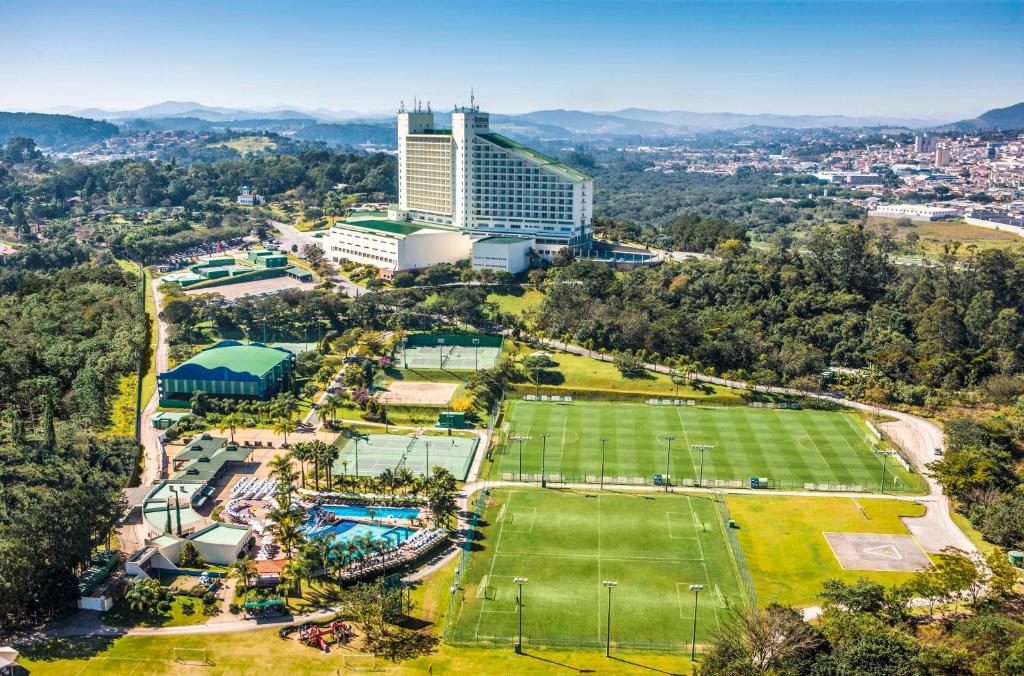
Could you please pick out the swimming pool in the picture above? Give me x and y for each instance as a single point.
(378, 512)
(346, 531)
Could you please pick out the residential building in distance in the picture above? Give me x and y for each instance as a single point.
(472, 181)
(248, 198)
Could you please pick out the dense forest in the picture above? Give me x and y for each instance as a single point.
(71, 326)
(58, 132)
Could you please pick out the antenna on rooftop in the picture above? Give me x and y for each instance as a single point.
(472, 100)
(401, 106)
(428, 106)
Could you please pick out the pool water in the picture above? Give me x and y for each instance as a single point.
(378, 512)
(345, 531)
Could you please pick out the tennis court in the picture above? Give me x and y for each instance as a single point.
(567, 544)
(790, 448)
(449, 352)
(371, 454)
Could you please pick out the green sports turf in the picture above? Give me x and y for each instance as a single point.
(567, 543)
(378, 452)
(790, 447)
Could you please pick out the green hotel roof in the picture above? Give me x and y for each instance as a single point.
(504, 239)
(550, 163)
(253, 359)
(385, 226)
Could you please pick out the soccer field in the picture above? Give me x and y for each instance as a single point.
(789, 447)
(567, 544)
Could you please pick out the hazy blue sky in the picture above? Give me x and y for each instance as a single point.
(926, 59)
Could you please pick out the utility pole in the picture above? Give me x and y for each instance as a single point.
(428, 459)
(696, 589)
(440, 353)
(610, 584)
(668, 460)
(603, 440)
(543, 453)
(881, 484)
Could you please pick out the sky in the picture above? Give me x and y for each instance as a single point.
(934, 60)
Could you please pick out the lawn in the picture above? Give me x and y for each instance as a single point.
(261, 652)
(568, 543)
(934, 235)
(124, 617)
(247, 144)
(789, 447)
(600, 379)
(517, 302)
(786, 553)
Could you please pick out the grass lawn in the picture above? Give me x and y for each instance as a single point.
(262, 652)
(600, 379)
(933, 235)
(787, 554)
(125, 617)
(787, 446)
(247, 144)
(518, 301)
(568, 543)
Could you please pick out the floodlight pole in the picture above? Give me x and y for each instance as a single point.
(519, 605)
(610, 584)
(357, 456)
(702, 448)
(536, 381)
(476, 354)
(543, 453)
(881, 484)
(428, 459)
(668, 460)
(603, 440)
(521, 440)
(696, 589)
(440, 354)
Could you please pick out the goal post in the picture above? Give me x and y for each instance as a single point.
(358, 662)
(193, 656)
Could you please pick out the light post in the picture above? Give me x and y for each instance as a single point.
(440, 353)
(427, 443)
(702, 448)
(476, 354)
(543, 453)
(520, 440)
(668, 459)
(603, 440)
(881, 483)
(696, 589)
(357, 457)
(610, 584)
(519, 605)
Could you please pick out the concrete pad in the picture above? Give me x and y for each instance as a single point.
(877, 551)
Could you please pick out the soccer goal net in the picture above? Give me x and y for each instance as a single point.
(194, 656)
(359, 662)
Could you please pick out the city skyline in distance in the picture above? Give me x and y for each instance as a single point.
(749, 58)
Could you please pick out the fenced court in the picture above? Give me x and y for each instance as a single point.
(378, 452)
(793, 449)
(567, 544)
(449, 352)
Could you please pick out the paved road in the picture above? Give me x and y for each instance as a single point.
(291, 236)
(153, 452)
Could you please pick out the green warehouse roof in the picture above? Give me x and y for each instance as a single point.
(254, 359)
(385, 226)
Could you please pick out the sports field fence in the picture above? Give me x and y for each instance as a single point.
(572, 643)
(735, 550)
(457, 588)
(721, 484)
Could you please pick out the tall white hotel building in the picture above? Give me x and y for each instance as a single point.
(506, 199)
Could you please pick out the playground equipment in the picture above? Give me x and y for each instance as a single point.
(316, 637)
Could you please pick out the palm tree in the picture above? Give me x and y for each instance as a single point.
(244, 569)
(344, 473)
(302, 453)
(405, 478)
(284, 426)
(387, 480)
(285, 405)
(298, 570)
(331, 404)
(288, 531)
(231, 422)
(281, 469)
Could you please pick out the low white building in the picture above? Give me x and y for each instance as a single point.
(509, 254)
(394, 246)
(248, 198)
(915, 212)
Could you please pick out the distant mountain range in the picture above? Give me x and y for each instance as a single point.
(629, 121)
(1011, 117)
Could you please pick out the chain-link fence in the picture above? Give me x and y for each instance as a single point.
(455, 602)
(735, 550)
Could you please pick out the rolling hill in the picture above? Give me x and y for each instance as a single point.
(1011, 117)
(55, 132)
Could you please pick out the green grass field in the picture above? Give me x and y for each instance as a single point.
(568, 543)
(787, 446)
(785, 549)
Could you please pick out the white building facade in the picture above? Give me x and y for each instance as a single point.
(483, 183)
(506, 254)
(395, 246)
(915, 212)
